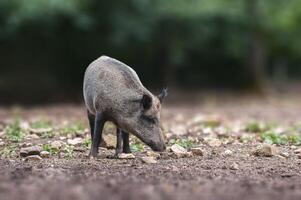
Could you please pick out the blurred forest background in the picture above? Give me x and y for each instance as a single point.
(45, 45)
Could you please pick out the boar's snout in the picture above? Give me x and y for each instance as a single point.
(158, 146)
(157, 143)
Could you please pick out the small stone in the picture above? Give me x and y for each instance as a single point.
(126, 156)
(179, 152)
(214, 142)
(153, 154)
(285, 154)
(45, 154)
(298, 150)
(299, 156)
(34, 136)
(2, 144)
(28, 151)
(148, 160)
(234, 166)
(109, 141)
(33, 158)
(56, 144)
(40, 131)
(266, 150)
(197, 151)
(228, 152)
(75, 141)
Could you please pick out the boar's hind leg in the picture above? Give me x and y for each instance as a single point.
(119, 143)
(126, 142)
(91, 119)
(99, 123)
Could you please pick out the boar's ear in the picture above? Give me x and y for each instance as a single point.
(146, 102)
(162, 95)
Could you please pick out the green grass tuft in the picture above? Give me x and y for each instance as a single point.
(13, 131)
(184, 142)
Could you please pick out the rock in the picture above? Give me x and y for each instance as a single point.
(40, 131)
(2, 143)
(197, 151)
(109, 141)
(266, 150)
(179, 152)
(28, 151)
(33, 158)
(75, 141)
(56, 144)
(299, 156)
(34, 136)
(285, 154)
(234, 166)
(227, 152)
(148, 160)
(214, 142)
(126, 156)
(298, 150)
(45, 154)
(153, 154)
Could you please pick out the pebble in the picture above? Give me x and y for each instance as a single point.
(28, 151)
(149, 160)
(234, 166)
(109, 141)
(298, 150)
(214, 142)
(126, 156)
(153, 154)
(56, 144)
(266, 150)
(40, 131)
(75, 141)
(2, 143)
(179, 151)
(33, 158)
(45, 154)
(285, 154)
(197, 151)
(227, 152)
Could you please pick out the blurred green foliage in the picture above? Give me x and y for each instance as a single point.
(45, 46)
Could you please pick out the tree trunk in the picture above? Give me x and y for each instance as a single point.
(255, 61)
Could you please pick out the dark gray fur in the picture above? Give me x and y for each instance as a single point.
(113, 92)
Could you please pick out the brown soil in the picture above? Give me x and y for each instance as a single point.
(200, 177)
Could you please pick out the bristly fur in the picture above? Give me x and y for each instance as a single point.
(115, 90)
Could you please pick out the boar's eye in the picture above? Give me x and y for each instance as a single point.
(149, 119)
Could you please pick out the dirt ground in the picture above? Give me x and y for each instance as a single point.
(211, 176)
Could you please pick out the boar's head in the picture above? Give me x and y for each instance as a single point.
(144, 121)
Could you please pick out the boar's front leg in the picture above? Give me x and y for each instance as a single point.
(119, 143)
(126, 142)
(99, 123)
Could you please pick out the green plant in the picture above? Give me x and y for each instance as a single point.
(273, 138)
(52, 151)
(256, 127)
(86, 142)
(69, 151)
(8, 151)
(184, 142)
(13, 131)
(137, 147)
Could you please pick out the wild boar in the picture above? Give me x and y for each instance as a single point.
(113, 92)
